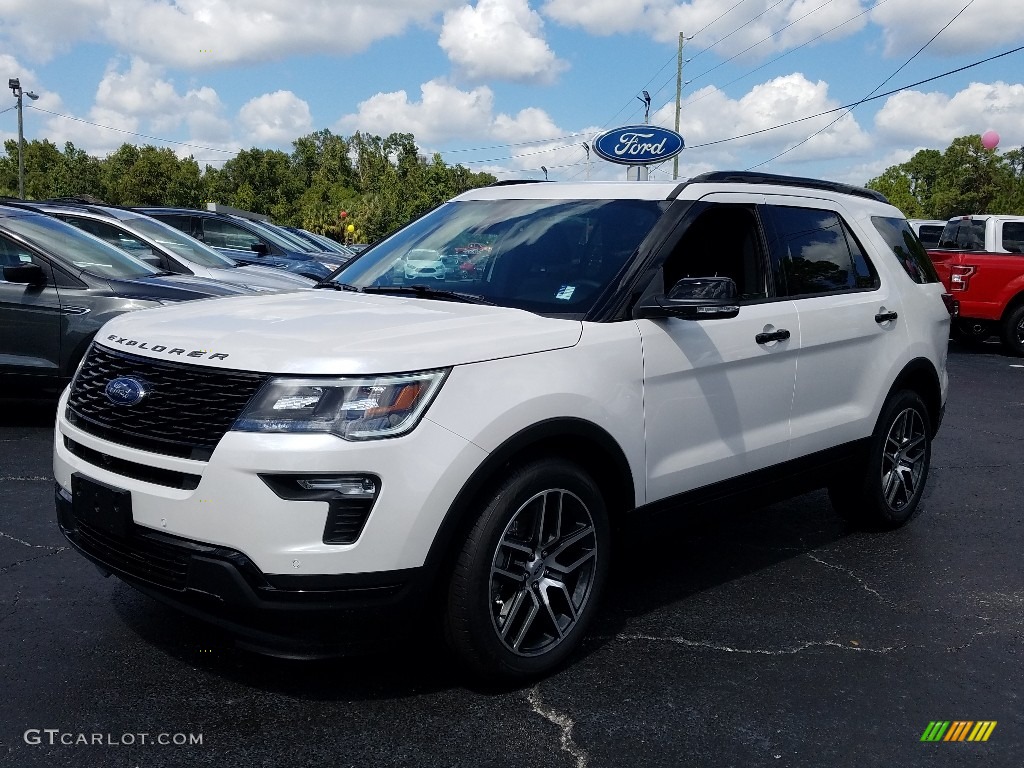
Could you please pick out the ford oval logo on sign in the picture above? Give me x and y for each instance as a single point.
(638, 145)
(125, 390)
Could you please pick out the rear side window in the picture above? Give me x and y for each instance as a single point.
(906, 248)
(1013, 236)
(929, 235)
(816, 253)
(963, 235)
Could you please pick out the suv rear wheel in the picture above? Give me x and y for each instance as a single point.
(526, 584)
(885, 490)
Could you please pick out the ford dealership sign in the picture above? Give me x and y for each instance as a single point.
(638, 145)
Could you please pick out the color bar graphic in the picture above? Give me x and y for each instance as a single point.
(958, 730)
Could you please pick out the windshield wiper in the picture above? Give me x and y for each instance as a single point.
(337, 286)
(426, 292)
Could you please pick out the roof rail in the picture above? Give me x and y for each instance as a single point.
(748, 177)
(510, 182)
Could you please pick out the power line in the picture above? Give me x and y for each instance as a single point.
(890, 77)
(133, 133)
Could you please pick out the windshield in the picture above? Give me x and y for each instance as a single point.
(324, 242)
(547, 256)
(280, 237)
(77, 248)
(178, 242)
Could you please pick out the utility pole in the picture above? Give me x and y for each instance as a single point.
(14, 84)
(679, 97)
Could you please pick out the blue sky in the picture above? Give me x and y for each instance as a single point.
(508, 86)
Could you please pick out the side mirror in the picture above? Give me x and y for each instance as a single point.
(31, 274)
(693, 298)
(261, 248)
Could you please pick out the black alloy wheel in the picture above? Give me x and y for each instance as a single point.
(525, 586)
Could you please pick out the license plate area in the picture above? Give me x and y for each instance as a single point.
(100, 506)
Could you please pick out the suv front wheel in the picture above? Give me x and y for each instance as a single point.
(884, 490)
(526, 584)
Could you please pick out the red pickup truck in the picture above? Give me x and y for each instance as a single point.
(980, 260)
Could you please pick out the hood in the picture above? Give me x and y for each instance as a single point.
(264, 277)
(321, 332)
(174, 288)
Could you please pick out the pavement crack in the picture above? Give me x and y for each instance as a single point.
(12, 566)
(851, 574)
(27, 544)
(965, 646)
(25, 478)
(564, 723)
(13, 607)
(761, 651)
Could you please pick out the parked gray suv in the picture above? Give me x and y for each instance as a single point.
(58, 285)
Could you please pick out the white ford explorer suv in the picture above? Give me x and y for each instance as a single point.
(313, 469)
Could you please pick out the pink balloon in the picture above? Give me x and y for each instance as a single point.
(989, 139)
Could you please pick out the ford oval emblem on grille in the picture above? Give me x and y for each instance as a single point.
(125, 390)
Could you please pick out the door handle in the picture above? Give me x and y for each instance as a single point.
(780, 335)
(885, 317)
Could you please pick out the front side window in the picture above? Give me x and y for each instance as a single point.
(552, 257)
(815, 253)
(722, 241)
(224, 234)
(906, 248)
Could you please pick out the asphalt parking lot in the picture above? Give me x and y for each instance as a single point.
(774, 636)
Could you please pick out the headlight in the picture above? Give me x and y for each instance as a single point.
(354, 408)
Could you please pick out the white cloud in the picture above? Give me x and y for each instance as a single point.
(200, 33)
(710, 115)
(725, 25)
(275, 118)
(142, 100)
(908, 24)
(41, 34)
(975, 109)
(499, 39)
(529, 124)
(443, 112)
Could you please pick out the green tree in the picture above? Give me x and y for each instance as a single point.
(965, 178)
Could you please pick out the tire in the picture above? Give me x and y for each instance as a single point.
(1013, 331)
(883, 491)
(527, 582)
(971, 332)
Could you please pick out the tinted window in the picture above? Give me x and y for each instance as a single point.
(929, 234)
(224, 234)
(1013, 236)
(816, 253)
(963, 235)
(722, 241)
(908, 250)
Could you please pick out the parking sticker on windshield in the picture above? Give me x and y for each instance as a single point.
(565, 292)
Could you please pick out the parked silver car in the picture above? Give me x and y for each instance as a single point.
(170, 249)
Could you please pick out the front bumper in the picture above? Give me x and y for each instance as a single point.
(216, 540)
(282, 615)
